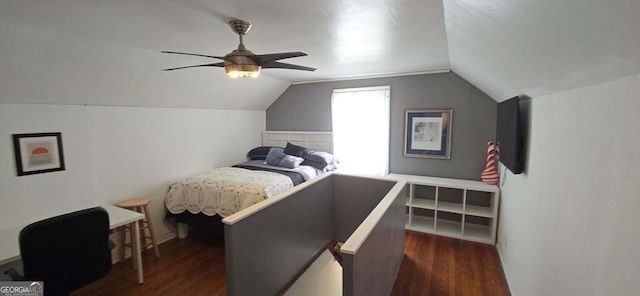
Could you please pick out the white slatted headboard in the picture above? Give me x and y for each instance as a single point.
(320, 141)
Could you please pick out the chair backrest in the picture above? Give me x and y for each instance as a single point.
(68, 251)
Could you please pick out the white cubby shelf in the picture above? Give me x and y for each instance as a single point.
(463, 209)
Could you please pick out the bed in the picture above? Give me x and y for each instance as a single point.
(285, 160)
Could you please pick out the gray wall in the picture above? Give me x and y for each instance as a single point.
(267, 249)
(354, 199)
(307, 107)
(373, 269)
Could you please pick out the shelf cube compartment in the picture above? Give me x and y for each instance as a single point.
(478, 211)
(452, 195)
(478, 228)
(479, 203)
(424, 191)
(449, 224)
(423, 220)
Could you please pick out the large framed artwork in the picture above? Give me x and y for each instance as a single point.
(38, 153)
(427, 133)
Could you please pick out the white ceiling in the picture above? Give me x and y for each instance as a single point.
(99, 52)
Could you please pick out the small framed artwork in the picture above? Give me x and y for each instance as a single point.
(427, 133)
(38, 153)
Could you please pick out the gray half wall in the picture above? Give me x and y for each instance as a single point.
(354, 199)
(307, 107)
(265, 250)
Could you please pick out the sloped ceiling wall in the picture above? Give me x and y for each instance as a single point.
(508, 48)
(108, 52)
(41, 65)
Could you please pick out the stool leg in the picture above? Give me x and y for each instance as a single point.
(151, 232)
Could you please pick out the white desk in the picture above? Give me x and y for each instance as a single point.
(119, 217)
(10, 245)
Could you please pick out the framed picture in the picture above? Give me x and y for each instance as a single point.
(427, 133)
(38, 153)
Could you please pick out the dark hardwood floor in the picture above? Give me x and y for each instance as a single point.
(436, 265)
(432, 265)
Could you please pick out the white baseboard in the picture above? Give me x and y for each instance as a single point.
(506, 268)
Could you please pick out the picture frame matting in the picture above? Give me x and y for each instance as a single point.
(38, 153)
(427, 133)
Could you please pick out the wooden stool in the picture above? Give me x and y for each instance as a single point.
(140, 205)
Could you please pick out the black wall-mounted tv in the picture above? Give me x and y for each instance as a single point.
(510, 136)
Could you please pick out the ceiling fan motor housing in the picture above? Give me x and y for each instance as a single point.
(240, 60)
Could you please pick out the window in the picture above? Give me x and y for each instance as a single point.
(360, 118)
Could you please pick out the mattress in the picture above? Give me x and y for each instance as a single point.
(224, 191)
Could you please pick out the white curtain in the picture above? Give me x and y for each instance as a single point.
(360, 118)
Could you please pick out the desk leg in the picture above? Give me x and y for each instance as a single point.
(136, 251)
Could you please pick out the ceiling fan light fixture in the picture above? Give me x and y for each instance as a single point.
(242, 71)
(241, 62)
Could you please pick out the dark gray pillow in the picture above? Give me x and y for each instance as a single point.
(320, 160)
(294, 150)
(315, 164)
(259, 153)
(275, 156)
(290, 161)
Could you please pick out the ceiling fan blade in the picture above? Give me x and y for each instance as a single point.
(286, 66)
(195, 54)
(266, 58)
(221, 64)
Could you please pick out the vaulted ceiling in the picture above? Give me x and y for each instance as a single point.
(97, 52)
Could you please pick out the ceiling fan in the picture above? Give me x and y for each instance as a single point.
(242, 62)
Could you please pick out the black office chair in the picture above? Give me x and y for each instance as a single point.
(66, 252)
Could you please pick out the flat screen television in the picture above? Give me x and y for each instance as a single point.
(510, 135)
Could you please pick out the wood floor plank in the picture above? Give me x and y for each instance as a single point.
(432, 265)
(435, 265)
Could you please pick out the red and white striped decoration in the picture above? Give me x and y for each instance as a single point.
(490, 175)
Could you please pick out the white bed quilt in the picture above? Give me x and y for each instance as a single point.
(224, 191)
